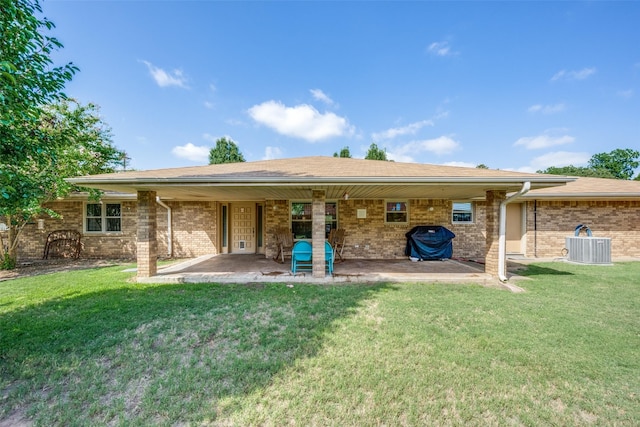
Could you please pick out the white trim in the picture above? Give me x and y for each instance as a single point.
(473, 212)
(406, 211)
(103, 217)
(502, 241)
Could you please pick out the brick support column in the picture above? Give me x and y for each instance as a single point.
(494, 198)
(147, 244)
(318, 233)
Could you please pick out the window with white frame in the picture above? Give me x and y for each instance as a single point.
(103, 218)
(462, 212)
(396, 211)
(302, 219)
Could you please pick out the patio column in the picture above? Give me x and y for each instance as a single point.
(317, 232)
(494, 198)
(147, 243)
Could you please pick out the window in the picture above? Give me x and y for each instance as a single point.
(462, 212)
(396, 211)
(103, 218)
(302, 219)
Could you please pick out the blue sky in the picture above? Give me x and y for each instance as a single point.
(513, 85)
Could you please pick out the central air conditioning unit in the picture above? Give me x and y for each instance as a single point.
(589, 250)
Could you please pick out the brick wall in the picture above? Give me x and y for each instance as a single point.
(372, 238)
(556, 220)
(195, 227)
(194, 231)
(492, 212)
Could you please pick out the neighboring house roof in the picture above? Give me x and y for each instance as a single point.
(591, 189)
(294, 178)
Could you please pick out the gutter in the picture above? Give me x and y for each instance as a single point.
(169, 227)
(502, 244)
(311, 180)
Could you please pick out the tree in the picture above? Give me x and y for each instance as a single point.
(343, 153)
(620, 162)
(82, 145)
(29, 82)
(577, 171)
(375, 153)
(482, 166)
(225, 151)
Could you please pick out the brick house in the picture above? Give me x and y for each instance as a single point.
(236, 208)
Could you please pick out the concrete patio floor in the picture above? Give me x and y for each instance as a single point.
(229, 268)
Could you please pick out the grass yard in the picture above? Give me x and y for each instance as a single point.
(92, 348)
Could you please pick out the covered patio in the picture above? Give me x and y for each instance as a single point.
(234, 208)
(230, 268)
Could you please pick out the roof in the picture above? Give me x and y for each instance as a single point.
(590, 188)
(294, 178)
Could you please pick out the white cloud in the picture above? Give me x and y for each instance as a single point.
(543, 141)
(321, 96)
(438, 146)
(573, 75)
(440, 49)
(556, 158)
(302, 121)
(271, 153)
(192, 152)
(560, 159)
(461, 164)
(410, 129)
(164, 78)
(547, 109)
(209, 105)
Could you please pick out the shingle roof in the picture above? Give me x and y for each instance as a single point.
(318, 167)
(293, 178)
(590, 188)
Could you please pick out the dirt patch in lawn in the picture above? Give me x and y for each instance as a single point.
(46, 266)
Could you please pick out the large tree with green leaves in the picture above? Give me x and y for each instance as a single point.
(44, 138)
(225, 151)
(375, 153)
(81, 144)
(577, 171)
(619, 163)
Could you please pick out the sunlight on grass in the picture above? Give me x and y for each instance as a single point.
(94, 348)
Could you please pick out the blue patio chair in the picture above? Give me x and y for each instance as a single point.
(301, 257)
(329, 256)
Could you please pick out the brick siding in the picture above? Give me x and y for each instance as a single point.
(195, 227)
(556, 220)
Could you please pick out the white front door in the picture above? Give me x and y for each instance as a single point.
(243, 228)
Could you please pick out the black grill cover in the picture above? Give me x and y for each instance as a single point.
(429, 242)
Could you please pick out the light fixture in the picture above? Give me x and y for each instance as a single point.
(346, 196)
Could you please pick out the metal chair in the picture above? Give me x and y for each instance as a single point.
(302, 257)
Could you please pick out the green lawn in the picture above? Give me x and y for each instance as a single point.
(93, 348)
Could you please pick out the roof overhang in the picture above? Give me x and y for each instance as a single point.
(272, 188)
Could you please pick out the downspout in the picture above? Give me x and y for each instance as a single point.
(535, 228)
(502, 244)
(169, 229)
